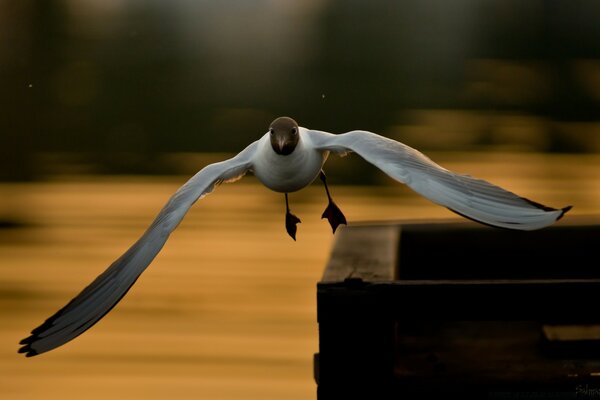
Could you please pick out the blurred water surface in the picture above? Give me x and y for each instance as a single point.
(227, 310)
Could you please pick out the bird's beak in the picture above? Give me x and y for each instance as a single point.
(280, 143)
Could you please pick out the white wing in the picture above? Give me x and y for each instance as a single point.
(470, 197)
(99, 297)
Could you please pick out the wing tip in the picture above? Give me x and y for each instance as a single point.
(27, 342)
(563, 211)
(41, 331)
(35, 336)
(540, 205)
(26, 349)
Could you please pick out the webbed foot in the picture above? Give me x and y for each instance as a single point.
(334, 215)
(290, 224)
(290, 220)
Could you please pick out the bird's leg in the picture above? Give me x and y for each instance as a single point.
(333, 213)
(290, 220)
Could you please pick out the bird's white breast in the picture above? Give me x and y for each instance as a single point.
(291, 172)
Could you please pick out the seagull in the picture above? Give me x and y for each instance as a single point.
(286, 159)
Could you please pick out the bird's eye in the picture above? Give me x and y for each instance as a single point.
(294, 131)
(271, 130)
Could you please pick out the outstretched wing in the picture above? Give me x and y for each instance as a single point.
(470, 197)
(99, 297)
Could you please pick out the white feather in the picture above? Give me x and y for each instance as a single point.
(470, 197)
(99, 297)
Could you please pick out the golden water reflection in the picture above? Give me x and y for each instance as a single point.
(227, 310)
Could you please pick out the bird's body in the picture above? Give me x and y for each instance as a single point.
(288, 173)
(286, 159)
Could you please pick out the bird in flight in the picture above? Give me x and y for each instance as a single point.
(286, 159)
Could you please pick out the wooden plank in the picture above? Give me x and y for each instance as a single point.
(560, 300)
(455, 308)
(465, 250)
(570, 333)
(356, 331)
(484, 357)
(367, 252)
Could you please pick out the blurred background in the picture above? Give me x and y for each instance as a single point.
(107, 106)
(114, 86)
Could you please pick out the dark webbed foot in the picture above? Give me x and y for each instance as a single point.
(290, 220)
(334, 215)
(290, 224)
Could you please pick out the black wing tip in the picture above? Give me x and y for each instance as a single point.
(26, 345)
(29, 352)
(541, 206)
(27, 340)
(564, 211)
(35, 336)
(36, 333)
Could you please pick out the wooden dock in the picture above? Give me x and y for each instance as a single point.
(410, 310)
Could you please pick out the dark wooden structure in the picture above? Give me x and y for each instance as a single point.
(414, 310)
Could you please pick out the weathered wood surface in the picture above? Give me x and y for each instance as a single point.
(364, 252)
(413, 308)
(469, 251)
(486, 358)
